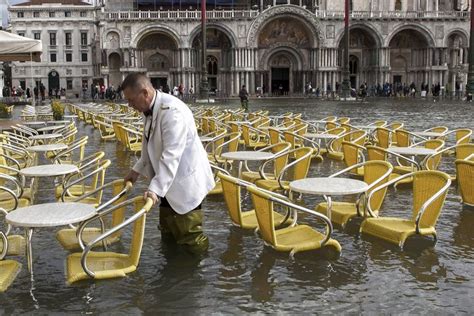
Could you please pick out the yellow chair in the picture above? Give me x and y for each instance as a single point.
(245, 219)
(228, 142)
(106, 265)
(295, 238)
(11, 193)
(279, 161)
(376, 173)
(253, 138)
(16, 243)
(74, 187)
(299, 168)
(465, 178)
(335, 146)
(9, 269)
(353, 154)
(383, 137)
(132, 139)
(429, 193)
(67, 237)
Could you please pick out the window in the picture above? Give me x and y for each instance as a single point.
(36, 14)
(37, 35)
(20, 15)
(52, 57)
(23, 84)
(67, 14)
(83, 14)
(69, 84)
(68, 36)
(52, 14)
(52, 38)
(84, 71)
(84, 57)
(83, 38)
(21, 33)
(68, 57)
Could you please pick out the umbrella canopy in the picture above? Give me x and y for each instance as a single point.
(18, 48)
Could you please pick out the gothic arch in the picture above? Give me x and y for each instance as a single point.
(424, 31)
(275, 12)
(148, 30)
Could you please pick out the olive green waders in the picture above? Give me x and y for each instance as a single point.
(185, 229)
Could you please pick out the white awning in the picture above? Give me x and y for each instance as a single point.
(18, 48)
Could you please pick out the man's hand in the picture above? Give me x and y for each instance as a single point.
(132, 176)
(151, 195)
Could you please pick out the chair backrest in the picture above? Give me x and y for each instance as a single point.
(344, 120)
(465, 178)
(463, 135)
(303, 161)
(356, 136)
(234, 127)
(330, 125)
(301, 128)
(376, 153)
(352, 153)
(464, 150)
(138, 232)
(380, 123)
(336, 131)
(232, 197)
(426, 184)
(433, 162)
(274, 135)
(438, 129)
(403, 138)
(282, 160)
(264, 212)
(373, 171)
(383, 137)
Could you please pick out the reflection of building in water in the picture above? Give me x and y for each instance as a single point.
(281, 45)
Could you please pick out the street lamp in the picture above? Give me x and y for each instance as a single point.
(203, 87)
(346, 84)
(470, 76)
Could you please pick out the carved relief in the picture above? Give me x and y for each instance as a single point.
(127, 32)
(280, 61)
(112, 40)
(284, 30)
(241, 30)
(157, 62)
(439, 31)
(330, 31)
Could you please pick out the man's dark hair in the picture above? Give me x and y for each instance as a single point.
(136, 81)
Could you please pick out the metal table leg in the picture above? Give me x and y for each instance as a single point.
(29, 250)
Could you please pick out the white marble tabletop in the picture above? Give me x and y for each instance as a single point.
(412, 151)
(429, 134)
(34, 123)
(247, 155)
(50, 214)
(329, 186)
(50, 128)
(70, 116)
(45, 136)
(278, 128)
(58, 122)
(320, 136)
(366, 127)
(49, 170)
(238, 122)
(46, 148)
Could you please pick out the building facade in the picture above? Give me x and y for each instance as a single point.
(68, 31)
(278, 45)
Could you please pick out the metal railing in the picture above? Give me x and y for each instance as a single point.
(395, 14)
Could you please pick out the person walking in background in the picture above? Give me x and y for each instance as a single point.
(244, 98)
(174, 160)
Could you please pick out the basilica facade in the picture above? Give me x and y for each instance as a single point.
(281, 46)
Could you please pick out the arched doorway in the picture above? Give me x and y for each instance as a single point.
(53, 80)
(363, 48)
(115, 77)
(458, 49)
(280, 67)
(160, 57)
(218, 60)
(409, 51)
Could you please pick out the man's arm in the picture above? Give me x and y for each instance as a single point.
(173, 136)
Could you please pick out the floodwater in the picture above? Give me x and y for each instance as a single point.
(240, 274)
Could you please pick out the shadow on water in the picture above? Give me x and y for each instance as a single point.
(240, 274)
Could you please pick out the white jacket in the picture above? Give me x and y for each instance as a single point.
(174, 158)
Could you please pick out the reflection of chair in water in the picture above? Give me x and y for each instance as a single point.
(9, 269)
(292, 239)
(429, 192)
(106, 265)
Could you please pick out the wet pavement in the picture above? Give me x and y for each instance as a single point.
(239, 274)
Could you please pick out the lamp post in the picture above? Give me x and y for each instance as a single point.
(470, 76)
(346, 84)
(203, 87)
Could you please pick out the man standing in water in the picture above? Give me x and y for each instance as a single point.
(244, 98)
(174, 159)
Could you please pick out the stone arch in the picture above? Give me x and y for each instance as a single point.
(459, 32)
(152, 29)
(275, 12)
(291, 51)
(109, 30)
(223, 28)
(368, 28)
(283, 30)
(114, 61)
(112, 40)
(422, 30)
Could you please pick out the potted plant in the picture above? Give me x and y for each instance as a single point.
(58, 110)
(5, 110)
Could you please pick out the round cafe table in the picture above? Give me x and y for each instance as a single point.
(329, 187)
(45, 136)
(47, 215)
(429, 134)
(50, 128)
(46, 148)
(415, 153)
(49, 170)
(244, 156)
